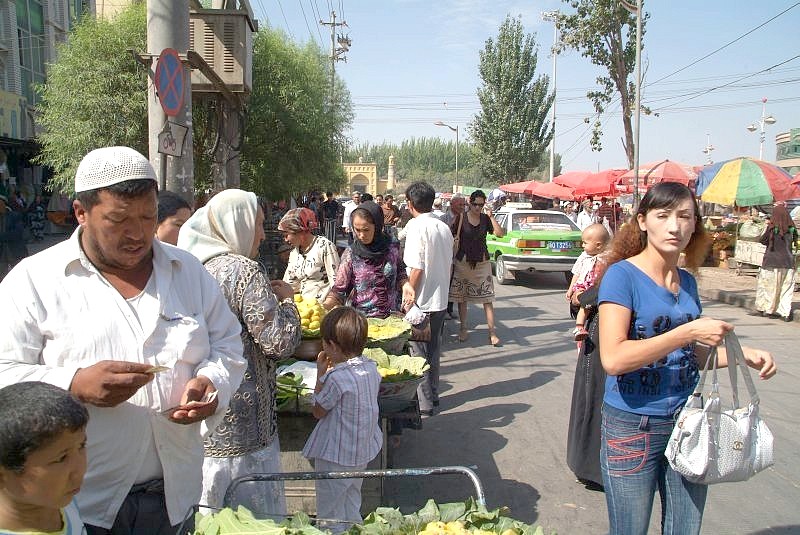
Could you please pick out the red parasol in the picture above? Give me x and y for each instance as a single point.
(655, 172)
(571, 179)
(601, 184)
(551, 190)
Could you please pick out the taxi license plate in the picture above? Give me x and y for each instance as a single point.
(559, 245)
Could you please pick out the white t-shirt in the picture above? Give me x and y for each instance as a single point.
(429, 247)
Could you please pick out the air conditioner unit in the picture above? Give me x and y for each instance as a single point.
(224, 39)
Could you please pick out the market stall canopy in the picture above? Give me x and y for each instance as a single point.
(659, 171)
(548, 190)
(601, 184)
(745, 182)
(571, 178)
(520, 187)
(551, 190)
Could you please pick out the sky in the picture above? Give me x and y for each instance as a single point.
(415, 62)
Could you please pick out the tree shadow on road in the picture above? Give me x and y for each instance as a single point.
(461, 439)
(499, 389)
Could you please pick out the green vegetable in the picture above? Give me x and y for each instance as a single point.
(388, 521)
(408, 366)
(242, 522)
(289, 389)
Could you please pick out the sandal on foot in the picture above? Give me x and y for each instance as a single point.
(494, 340)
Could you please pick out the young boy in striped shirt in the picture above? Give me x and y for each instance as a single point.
(347, 435)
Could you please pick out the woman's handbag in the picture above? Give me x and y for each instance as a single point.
(457, 237)
(710, 445)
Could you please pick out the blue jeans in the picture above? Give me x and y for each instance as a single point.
(633, 465)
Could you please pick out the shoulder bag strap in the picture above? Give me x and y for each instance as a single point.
(736, 359)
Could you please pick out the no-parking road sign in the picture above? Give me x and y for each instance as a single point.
(170, 81)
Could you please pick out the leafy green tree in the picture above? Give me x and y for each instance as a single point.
(293, 135)
(95, 95)
(511, 132)
(605, 32)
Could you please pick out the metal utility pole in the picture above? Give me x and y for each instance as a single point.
(552, 16)
(337, 52)
(168, 27)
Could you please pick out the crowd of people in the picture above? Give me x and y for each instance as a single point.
(138, 357)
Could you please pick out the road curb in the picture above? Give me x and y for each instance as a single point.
(737, 299)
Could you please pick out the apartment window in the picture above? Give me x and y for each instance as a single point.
(31, 38)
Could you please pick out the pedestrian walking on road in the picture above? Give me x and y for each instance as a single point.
(652, 341)
(428, 256)
(775, 283)
(330, 216)
(472, 271)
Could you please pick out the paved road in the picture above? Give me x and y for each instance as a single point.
(505, 410)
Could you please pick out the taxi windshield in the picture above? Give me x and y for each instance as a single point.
(542, 221)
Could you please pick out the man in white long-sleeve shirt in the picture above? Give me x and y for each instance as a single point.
(133, 328)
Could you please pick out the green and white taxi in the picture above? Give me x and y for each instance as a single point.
(535, 240)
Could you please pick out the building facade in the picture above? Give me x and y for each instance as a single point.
(30, 31)
(787, 148)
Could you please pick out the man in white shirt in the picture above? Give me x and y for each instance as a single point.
(587, 215)
(428, 257)
(349, 206)
(135, 329)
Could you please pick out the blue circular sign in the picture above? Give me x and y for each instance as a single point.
(170, 81)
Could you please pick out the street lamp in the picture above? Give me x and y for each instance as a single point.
(552, 16)
(765, 120)
(454, 129)
(709, 148)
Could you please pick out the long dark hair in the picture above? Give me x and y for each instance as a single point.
(631, 240)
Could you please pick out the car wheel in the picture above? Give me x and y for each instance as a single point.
(500, 272)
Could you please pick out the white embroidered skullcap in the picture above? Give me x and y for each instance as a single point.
(111, 165)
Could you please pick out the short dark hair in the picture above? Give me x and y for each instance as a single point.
(31, 415)
(129, 189)
(169, 203)
(421, 195)
(347, 328)
(475, 194)
(366, 197)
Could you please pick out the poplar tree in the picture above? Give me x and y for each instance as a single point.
(512, 130)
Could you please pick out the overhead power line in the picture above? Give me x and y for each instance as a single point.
(695, 62)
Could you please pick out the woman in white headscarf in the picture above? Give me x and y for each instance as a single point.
(224, 235)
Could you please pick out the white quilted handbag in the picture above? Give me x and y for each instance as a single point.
(710, 445)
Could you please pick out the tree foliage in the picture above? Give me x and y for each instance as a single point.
(605, 32)
(96, 95)
(294, 136)
(429, 159)
(512, 131)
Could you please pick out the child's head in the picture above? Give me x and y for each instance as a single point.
(346, 329)
(594, 239)
(42, 445)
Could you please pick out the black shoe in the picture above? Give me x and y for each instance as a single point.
(788, 318)
(755, 313)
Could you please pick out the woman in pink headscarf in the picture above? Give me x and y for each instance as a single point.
(313, 261)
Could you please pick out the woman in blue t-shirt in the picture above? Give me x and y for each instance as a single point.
(651, 339)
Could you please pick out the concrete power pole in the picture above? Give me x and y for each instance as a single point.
(337, 52)
(168, 27)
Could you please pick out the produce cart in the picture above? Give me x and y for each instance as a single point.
(228, 502)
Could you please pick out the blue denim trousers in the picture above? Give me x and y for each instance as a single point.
(633, 465)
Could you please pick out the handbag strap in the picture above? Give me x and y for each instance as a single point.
(736, 360)
(711, 363)
(460, 222)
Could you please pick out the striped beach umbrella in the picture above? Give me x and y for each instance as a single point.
(745, 182)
